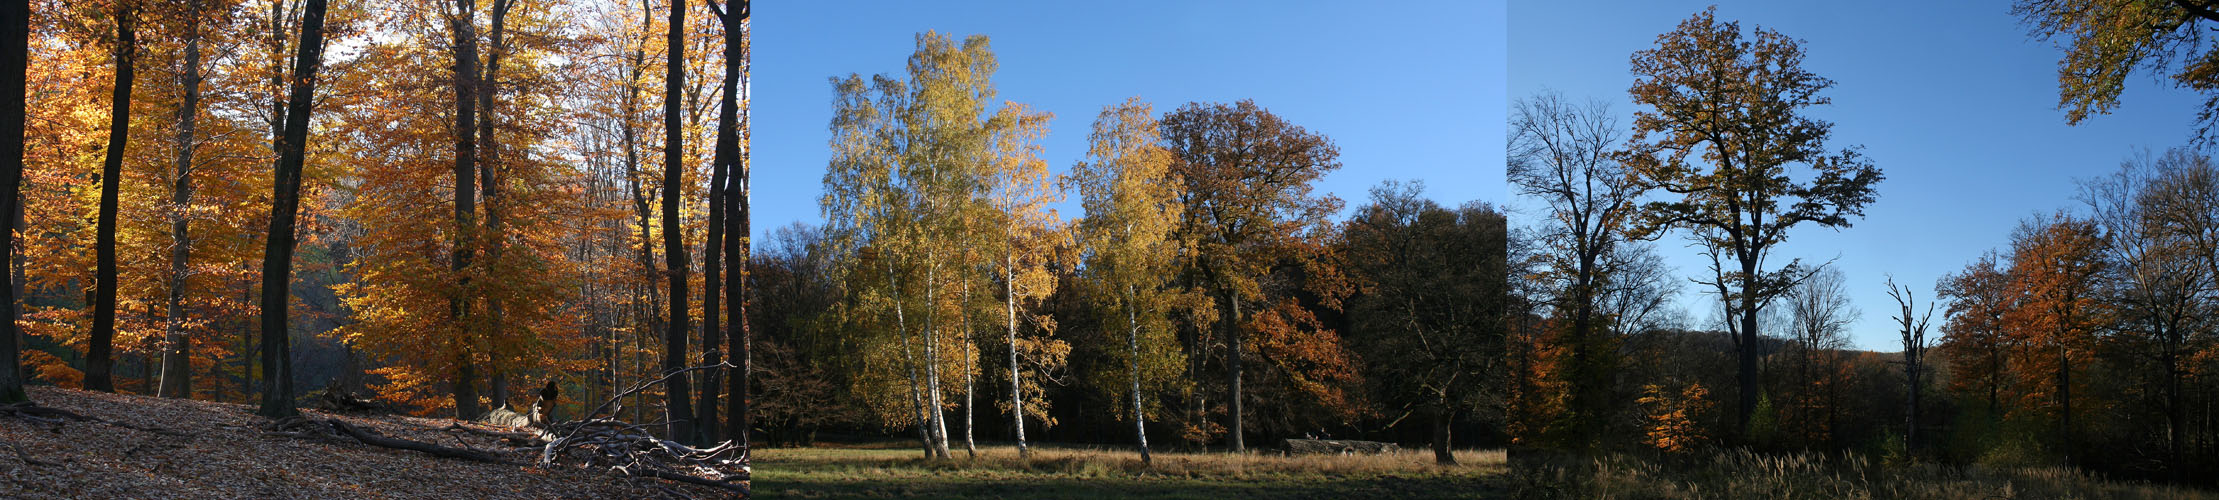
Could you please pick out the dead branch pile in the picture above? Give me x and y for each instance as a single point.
(631, 449)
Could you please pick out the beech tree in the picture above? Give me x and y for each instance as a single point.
(1724, 133)
(99, 358)
(15, 42)
(677, 407)
(277, 262)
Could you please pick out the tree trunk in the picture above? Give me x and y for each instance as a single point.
(1747, 352)
(465, 31)
(100, 357)
(932, 359)
(487, 164)
(738, 229)
(714, 250)
(1132, 363)
(15, 40)
(916, 393)
(1016, 383)
(177, 381)
(277, 259)
(1442, 412)
(1232, 370)
(678, 395)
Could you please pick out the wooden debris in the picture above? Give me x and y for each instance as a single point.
(1336, 447)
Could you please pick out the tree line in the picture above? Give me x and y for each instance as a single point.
(1205, 293)
(2080, 343)
(463, 188)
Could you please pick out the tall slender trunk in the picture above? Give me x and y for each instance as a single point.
(1016, 383)
(1132, 364)
(932, 357)
(463, 26)
(644, 313)
(677, 395)
(177, 381)
(713, 251)
(1232, 370)
(738, 227)
(488, 182)
(970, 369)
(916, 393)
(15, 40)
(277, 258)
(100, 357)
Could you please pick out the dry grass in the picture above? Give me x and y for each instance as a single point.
(1067, 472)
(1742, 474)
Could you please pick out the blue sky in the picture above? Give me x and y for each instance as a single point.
(1408, 90)
(1952, 100)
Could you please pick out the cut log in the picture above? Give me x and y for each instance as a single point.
(1336, 447)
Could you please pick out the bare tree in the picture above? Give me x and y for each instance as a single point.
(1562, 153)
(1914, 354)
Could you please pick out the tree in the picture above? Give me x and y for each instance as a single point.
(738, 222)
(1973, 335)
(2054, 267)
(99, 360)
(462, 25)
(1431, 312)
(1030, 239)
(1915, 344)
(1563, 153)
(725, 167)
(2108, 40)
(676, 409)
(15, 41)
(177, 378)
(2155, 213)
(1819, 314)
(1247, 175)
(1132, 208)
(1723, 128)
(277, 262)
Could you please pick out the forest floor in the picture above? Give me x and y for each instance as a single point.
(152, 447)
(887, 471)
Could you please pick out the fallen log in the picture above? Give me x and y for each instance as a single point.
(373, 439)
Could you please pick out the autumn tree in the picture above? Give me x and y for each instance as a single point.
(1432, 308)
(277, 262)
(99, 358)
(1132, 207)
(2054, 267)
(1973, 335)
(910, 163)
(176, 351)
(1247, 175)
(1028, 239)
(15, 40)
(2106, 41)
(1724, 133)
(1564, 154)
